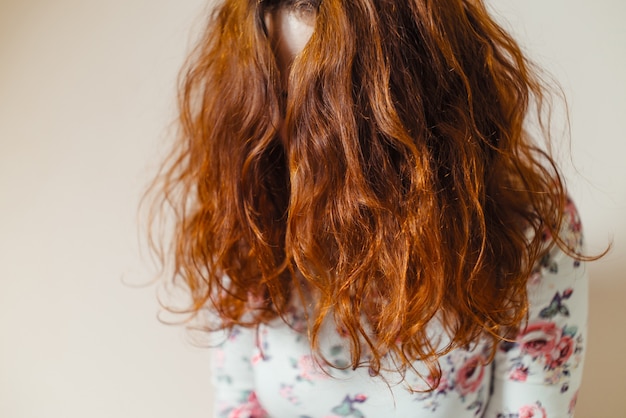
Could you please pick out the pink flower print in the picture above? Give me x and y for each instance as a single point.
(546, 235)
(256, 358)
(572, 213)
(256, 300)
(219, 358)
(343, 332)
(519, 374)
(296, 319)
(251, 409)
(539, 339)
(286, 392)
(308, 370)
(532, 411)
(572, 403)
(535, 278)
(561, 352)
(572, 225)
(443, 385)
(360, 398)
(234, 334)
(470, 375)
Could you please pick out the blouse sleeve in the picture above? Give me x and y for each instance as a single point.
(232, 375)
(539, 374)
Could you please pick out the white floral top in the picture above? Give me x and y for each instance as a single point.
(270, 372)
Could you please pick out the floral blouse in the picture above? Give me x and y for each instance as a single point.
(270, 371)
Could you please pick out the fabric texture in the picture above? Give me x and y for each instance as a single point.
(270, 371)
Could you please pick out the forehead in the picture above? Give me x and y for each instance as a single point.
(290, 3)
(289, 29)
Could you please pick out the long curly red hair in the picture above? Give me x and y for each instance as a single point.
(406, 189)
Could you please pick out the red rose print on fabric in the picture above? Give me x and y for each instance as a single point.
(470, 375)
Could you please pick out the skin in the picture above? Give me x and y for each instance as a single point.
(289, 28)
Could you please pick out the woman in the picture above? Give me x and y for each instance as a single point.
(360, 208)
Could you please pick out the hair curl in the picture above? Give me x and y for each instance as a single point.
(403, 193)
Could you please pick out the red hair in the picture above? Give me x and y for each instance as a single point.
(405, 191)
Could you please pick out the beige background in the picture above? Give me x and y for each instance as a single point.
(86, 100)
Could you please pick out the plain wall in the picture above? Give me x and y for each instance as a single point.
(86, 104)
